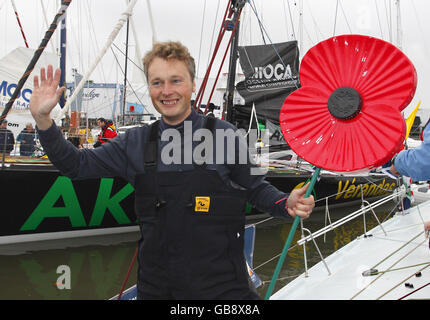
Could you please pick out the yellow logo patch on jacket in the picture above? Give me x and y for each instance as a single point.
(202, 204)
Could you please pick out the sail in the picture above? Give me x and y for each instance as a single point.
(12, 67)
(271, 74)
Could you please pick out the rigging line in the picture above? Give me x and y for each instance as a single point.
(390, 36)
(259, 22)
(274, 257)
(106, 103)
(401, 258)
(95, 37)
(317, 29)
(46, 23)
(111, 38)
(392, 210)
(228, 13)
(213, 34)
(128, 58)
(422, 287)
(36, 57)
(397, 250)
(201, 36)
(335, 18)
(403, 268)
(274, 48)
(285, 18)
(233, 32)
(420, 27)
(19, 22)
(291, 19)
(385, 293)
(346, 19)
(379, 19)
(128, 82)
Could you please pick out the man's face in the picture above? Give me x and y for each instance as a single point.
(100, 123)
(170, 87)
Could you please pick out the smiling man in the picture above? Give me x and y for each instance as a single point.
(191, 213)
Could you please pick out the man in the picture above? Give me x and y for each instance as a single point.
(190, 212)
(27, 140)
(107, 131)
(415, 163)
(7, 140)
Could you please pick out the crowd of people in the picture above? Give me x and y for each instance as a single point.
(27, 138)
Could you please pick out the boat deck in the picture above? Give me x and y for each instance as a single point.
(398, 256)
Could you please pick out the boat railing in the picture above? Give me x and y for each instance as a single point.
(396, 195)
(365, 207)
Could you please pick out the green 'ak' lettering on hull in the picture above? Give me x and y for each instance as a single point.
(105, 202)
(61, 187)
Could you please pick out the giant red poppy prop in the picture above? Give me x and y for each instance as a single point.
(346, 116)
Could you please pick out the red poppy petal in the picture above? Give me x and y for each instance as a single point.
(379, 71)
(364, 142)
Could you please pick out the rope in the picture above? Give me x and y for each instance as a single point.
(201, 36)
(222, 62)
(128, 273)
(36, 57)
(379, 19)
(397, 250)
(271, 42)
(108, 43)
(402, 268)
(401, 282)
(354, 296)
(401, 298)
(335, 18)
(221, 33)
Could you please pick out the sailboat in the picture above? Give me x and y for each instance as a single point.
(53, 206)
(270, 74)
(62, 208)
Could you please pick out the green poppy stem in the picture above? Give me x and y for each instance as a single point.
(290, 238)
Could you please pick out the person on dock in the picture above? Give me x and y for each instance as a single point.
(107, 131)
(190, 193)
(415, 163)
(27, 140)
(7, 140)
(211, 110)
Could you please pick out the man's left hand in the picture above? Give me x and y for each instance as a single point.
(298, 205)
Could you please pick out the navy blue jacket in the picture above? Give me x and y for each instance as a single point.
(123, 157)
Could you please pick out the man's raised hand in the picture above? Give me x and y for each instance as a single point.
(45, 96)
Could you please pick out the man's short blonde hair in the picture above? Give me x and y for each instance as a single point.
(170, 50)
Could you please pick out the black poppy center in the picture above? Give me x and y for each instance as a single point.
(344, 103)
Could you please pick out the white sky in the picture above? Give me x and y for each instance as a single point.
(192, 22)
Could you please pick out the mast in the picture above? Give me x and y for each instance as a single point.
(236, 6)
(399, 26)
(301, 50)
(124, 102)
(63, 39)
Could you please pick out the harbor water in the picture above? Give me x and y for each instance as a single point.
(94, 268)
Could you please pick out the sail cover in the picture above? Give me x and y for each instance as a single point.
(271, 74)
